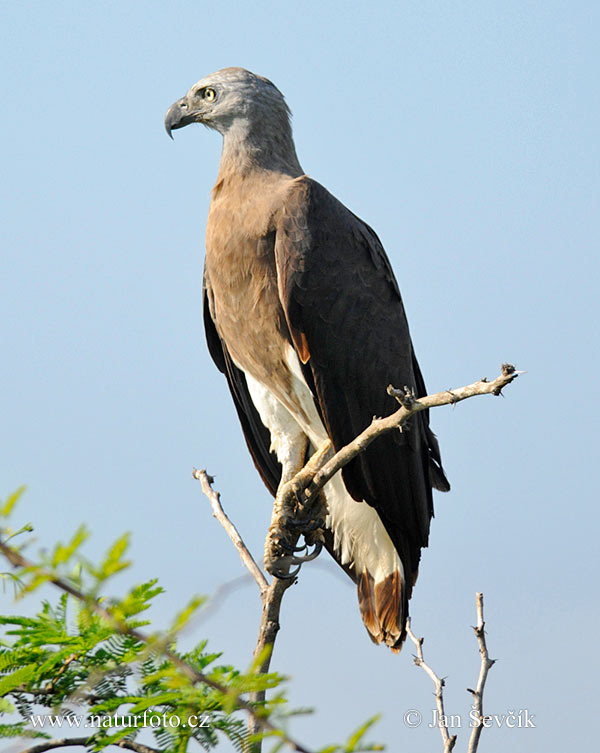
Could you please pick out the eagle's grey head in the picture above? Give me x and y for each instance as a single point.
(248, 110)
(224, 97)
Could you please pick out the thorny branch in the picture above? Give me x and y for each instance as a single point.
(410, 406)
(439, 683)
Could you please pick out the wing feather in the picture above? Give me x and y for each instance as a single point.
(342, 301)
(258, 437)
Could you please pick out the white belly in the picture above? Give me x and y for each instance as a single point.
(360, 539)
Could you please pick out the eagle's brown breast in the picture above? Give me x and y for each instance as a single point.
(241, 278)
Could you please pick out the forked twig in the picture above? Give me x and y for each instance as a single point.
(439, 683)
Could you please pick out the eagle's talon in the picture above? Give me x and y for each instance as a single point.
(281, 554)
(290, 548)
(299, 496)
(308, 557)
(279, 566)
(283, 575)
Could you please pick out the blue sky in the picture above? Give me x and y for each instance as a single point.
(466, 135)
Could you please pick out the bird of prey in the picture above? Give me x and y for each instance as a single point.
(304, 317)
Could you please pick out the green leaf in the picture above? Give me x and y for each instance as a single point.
(11, 501)
(39, 578)
(6, 707)
(21, 729)
(64, 553)
(69, 654)
(113, 561)
(356, 737)
(15, 679)
(183, 617)
(258, 660)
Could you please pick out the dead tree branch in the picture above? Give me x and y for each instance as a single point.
(486, 665)
(438, 682)
(233, 533)
(267, 633)
(328, 466)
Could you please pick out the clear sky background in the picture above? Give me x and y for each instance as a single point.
(466, 134)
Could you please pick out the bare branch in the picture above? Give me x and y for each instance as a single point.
(271, 594)
(267, 633)
(486, 665)
(331, 465)
(233, 533)
(448, 739)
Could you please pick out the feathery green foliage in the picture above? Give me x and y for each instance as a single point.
(82, 667)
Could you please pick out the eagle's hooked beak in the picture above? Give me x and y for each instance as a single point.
(179, 115)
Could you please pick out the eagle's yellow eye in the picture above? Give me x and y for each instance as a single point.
(209, 95)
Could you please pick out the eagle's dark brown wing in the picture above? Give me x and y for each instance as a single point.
(256, 433)
(348, 324)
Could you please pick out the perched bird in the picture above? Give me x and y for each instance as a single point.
(304, 317)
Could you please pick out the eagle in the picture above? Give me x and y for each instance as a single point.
(304, 317)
